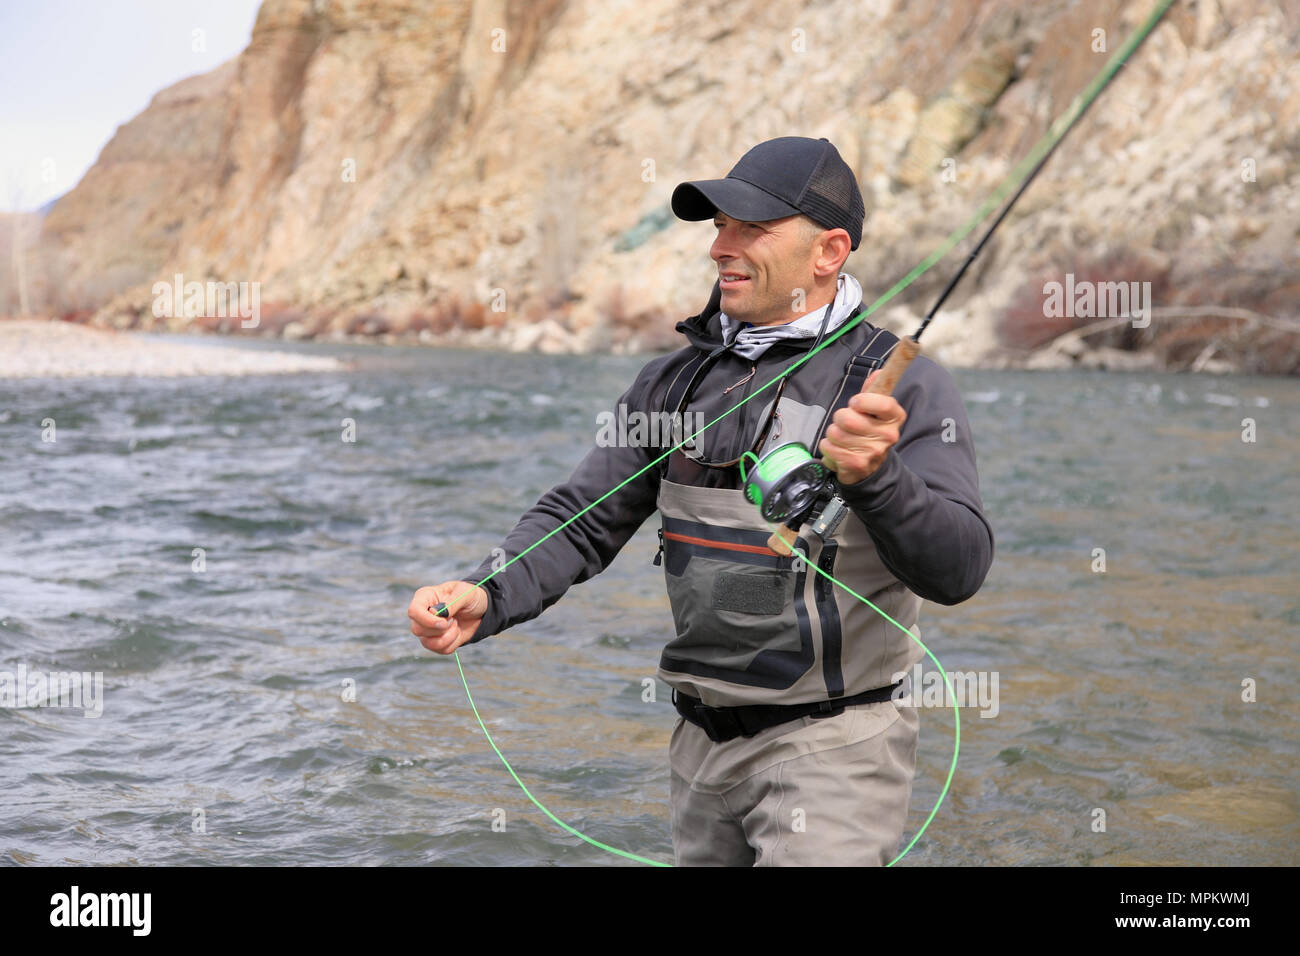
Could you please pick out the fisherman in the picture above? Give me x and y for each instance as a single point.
(790, 747)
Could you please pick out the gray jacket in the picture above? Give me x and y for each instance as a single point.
(916, 531)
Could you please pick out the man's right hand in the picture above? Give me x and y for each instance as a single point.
(443, 635)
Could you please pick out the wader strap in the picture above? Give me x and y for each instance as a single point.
(728, 723)
(870, 357)
(678, 386)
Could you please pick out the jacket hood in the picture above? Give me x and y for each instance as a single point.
(704, 331)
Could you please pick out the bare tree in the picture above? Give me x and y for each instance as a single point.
(19, 220)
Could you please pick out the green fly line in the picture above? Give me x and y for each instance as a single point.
(1055, 132)
(952, 696)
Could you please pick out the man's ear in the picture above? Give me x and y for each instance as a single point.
(842, 241)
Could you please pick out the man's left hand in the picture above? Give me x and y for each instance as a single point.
(861, 434)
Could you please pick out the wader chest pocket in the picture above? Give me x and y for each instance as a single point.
(734, 607)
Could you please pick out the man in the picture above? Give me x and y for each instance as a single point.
(790, 747)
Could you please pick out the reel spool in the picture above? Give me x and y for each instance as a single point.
(785, 483)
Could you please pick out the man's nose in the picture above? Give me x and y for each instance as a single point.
(723, 247)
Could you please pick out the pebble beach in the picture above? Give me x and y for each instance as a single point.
(35, 348)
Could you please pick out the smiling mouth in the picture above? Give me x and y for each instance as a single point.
(730, 280)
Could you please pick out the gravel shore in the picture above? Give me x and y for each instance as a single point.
(34, 348)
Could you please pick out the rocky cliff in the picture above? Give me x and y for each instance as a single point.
(498, 171)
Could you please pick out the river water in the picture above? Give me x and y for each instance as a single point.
(265, 703)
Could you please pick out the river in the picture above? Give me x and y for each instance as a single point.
(239, 575)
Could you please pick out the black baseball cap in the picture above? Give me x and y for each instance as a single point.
(781, 177)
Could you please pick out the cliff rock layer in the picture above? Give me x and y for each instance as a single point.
(498, 171)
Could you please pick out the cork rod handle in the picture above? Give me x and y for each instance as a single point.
(899, 359)
(782, 540)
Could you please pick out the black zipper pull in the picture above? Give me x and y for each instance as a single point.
(659, 555)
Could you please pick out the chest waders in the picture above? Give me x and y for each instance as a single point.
(760, 638)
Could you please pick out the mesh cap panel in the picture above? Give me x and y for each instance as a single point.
(831, 197)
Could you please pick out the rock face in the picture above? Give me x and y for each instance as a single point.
(498, 171)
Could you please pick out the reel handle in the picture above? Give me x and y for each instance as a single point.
(782, 540)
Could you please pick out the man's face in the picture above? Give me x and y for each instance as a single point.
(775, 258)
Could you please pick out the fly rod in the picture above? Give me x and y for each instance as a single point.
(793, 479)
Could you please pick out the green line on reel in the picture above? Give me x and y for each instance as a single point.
(785, 482)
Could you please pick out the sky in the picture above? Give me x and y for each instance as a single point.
(73, 71)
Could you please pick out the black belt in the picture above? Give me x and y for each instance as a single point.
(727, 723)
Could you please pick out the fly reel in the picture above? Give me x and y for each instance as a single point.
(786, 483)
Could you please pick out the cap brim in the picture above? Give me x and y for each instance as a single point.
(735, 197)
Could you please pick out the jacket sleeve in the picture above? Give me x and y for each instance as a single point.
(522, 590)
(922, 506)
